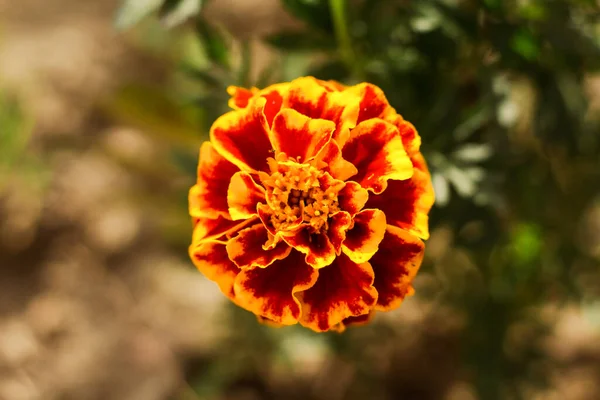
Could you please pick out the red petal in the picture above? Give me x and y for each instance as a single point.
(373, 103)
(353, 197)
(375, 148)
(339, 224)
(246, 249)
(210, 257)
(269, 292)
(396, 264)
(332, 86)
(344, 289)
(354, 321)
(274, 95)
(243, 195)
(299, 136)
(406, 204)
(362, 241)
(217, 228)
(242, 137)
(408, 133)
(319, 250)
(240, 96)
(311, 98)
(208, 197)
(330, 160)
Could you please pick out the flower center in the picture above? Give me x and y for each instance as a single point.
(299, 194)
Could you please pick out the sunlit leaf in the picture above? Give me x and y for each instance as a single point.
(174, 12)
(133, 11)
(214, 43)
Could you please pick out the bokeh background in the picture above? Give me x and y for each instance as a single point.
(103, 106)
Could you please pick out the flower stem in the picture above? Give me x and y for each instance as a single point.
(340, 24)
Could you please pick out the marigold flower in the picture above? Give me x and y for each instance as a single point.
(311, 204)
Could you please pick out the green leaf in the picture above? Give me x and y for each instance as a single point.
(174, 12)
(202, 75)
(214, 44)
(133, 11)
(525, 44)
(314, 12)
(298, 41)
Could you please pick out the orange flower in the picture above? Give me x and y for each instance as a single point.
(311, 204)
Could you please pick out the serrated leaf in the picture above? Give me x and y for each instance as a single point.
(214, 44)
(174, 12)
(314, 12)
(133, 11)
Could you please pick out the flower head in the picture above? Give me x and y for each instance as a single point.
(311, 204)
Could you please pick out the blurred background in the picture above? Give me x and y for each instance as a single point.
(103, 106)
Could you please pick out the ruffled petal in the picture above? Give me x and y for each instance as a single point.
(319, 250)
(274, 95)
(242, 137)
(315, 100)
(210, 258)
(269, 292)
(408, 133)
(330, 160)
(299, 136)
(353, 197)
(359, 320)
(332, 86)
(243, 195)
(246, 249)
(240, 96)
(217, 228)
(362, 241)
(339, 224)
(373, 103)
(406, 204)
(208, 197)
(396, 264)
(375, 148)
(344, 289)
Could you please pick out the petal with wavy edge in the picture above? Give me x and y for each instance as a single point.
(208, 197)
(310, 97)
(330, 160)
(353, 197)
(396, 264)
(376, 149)
(373, 103)
(271, 292)
(242, 137)
(210, 258)
(408, 133)
(344, 289)
(319, 250)
(298, 136)
(217, 228)
(362, 241)
(246, 249)
(243, 195)
(240, 96)
(339, 224)
(406, 204)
